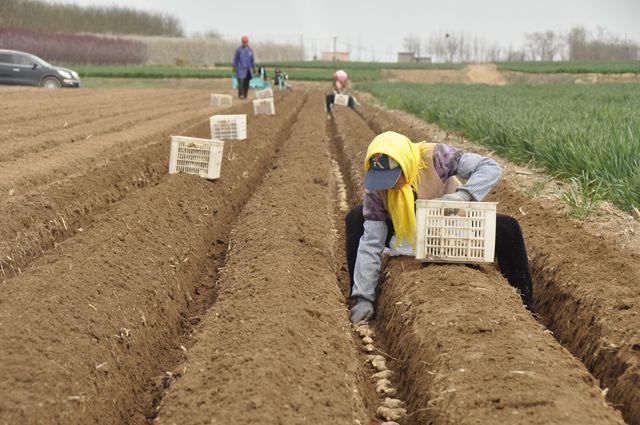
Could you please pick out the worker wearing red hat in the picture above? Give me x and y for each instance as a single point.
(244, 67)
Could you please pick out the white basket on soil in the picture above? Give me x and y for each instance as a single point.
(228, 127)
(264, 93)
(264, 107)
(341, 99)
(221, 100)
(455, 232)
(190, 155)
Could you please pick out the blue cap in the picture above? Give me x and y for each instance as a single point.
(383, 172)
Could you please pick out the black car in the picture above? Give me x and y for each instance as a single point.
(26, 69)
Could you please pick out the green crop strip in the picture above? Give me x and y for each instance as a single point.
(573, 67)
(308, 74)
(586, 133)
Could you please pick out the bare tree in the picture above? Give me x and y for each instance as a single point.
(515, 55)
(604, 46)
(435, 45)
(411, 43)
(494, 53)
(543, 45)
(451, 46)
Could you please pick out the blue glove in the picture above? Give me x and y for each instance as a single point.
(459, 195)
(363, 310)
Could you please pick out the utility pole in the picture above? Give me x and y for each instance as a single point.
(302, 55)
(335, 42)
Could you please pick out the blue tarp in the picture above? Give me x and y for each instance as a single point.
(255, 83)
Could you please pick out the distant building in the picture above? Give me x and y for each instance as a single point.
(410, 57)
(335, 56)
(406, 57)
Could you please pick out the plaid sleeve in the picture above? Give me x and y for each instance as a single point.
(373, 207)
(446, 160)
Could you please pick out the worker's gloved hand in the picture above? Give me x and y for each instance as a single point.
(363, 310)
(459, 195)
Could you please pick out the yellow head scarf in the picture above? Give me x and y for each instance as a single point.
(400, 202)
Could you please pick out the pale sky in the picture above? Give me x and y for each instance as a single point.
(378, 27)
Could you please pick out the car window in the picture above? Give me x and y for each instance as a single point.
(22, 60)
(5, 58)
(40, 61)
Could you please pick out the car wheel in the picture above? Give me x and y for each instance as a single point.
(51, 83)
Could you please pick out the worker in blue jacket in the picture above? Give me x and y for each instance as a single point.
(244, 67)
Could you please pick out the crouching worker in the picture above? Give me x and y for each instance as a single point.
(280, 79)
(398, 170)
(340, 85)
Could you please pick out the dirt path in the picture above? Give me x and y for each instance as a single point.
(585, 287)
(485, 73)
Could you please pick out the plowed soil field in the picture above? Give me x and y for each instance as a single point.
(130, 296)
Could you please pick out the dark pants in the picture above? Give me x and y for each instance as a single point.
(243, 86)
(330, 98)
(510, 250)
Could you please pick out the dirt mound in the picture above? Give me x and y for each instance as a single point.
(462, 337)
(428, 76)
(486, 73)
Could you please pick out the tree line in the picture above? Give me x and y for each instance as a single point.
(576, 44)
(71, 18)
(74, 48)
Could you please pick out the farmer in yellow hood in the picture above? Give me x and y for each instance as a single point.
(397, 172)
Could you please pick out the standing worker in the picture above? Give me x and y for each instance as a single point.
(398, 171)
(244, 67)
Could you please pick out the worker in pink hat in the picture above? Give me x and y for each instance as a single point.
(244, 67)
(340, 85)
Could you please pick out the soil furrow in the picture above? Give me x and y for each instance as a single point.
(468, 350)
(348, 178)
(41, 219)
(97, 128)
(25, 96)
(50, 131)
(31, 99)
(276, 346)
(84, 331)
(31, 116)
(35, 111)
(74, 159)
(585, 288)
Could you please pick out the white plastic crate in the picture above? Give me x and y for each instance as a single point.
(221, 100)
(264, 107)
(190, 155)
(455, 232)
(264, 93)
(228, 127)
(341, 99)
